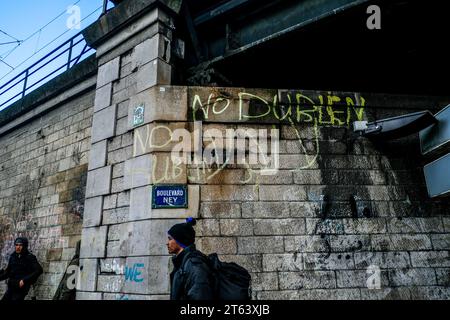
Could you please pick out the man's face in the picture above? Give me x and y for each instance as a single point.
(172, 246)
(19, 247)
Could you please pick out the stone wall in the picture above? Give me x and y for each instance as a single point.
(117, 238)
(298, 231)
(340, 210)
(340, 213)
(43, 169)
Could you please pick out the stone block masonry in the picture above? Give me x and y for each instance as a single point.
(43, 175)
(86, 170)
(122, 226)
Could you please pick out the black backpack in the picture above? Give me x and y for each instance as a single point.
(232, 282)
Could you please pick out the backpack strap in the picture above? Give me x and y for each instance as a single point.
(183, 262)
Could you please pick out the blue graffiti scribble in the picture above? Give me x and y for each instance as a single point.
(132, 273)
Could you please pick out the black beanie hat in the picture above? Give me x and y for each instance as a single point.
(23, 241)
(184, 233)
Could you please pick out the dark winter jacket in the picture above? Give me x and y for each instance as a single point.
(24, 267)
(191, 278)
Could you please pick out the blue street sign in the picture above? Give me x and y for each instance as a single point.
(169, 196)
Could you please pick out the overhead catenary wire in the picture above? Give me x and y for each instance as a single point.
(34, 33)
(20, 64)
(12, 37)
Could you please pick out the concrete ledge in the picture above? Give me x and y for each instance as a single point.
(121, 16)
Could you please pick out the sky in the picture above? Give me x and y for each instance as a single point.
(31, 23)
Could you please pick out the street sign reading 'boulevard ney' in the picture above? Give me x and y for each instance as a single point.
(169, 196)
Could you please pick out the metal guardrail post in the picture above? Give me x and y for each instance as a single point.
(25, 83)
(70, 54)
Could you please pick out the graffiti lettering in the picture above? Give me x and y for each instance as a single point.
(328, 110)
(132, 273)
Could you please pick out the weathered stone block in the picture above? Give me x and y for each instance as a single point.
(119, 155)
(277, 295)
(443, 277)
(282, 262)
(108, 72)
(415, 225)
(327, 226)
(156, 137)
(138, 172)
(330, 294)
(147, 275)
(164, 170)
(412, 277)
(165, 103)
(93, 242)
(281, 177)
(208, 228)
(110, 283)
(156, 72)
(386, 294)
(97, 155)
(103, 97)
(446, 222)
(307, 280)
(220, 210)
(98, 182)
(104, 124)
(123, 199)
(251, 245)
(265, 210)
(110, 202)
(113, 265)
(430, 293)
(382, 260)
(92, 216)
(436, 259)
(88, 275)
(228, 193)
(333, 261)
(282, 193)
(236, 227)
(349, 243)
(218, 245)
(364, 226)
(304, 209)
(147, 237)
(441, 241)
(89, 295)
(306, 244)
(225, 176)
(399, 242)
(114, 216)
(264, 281)
(279, 226)
(359, 279)
(308, 177)
(156, 47)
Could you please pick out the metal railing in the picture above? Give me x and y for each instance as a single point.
(60, 59)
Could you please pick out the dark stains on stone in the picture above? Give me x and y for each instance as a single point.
(73, 195)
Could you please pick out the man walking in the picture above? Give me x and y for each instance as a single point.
(191, 278)
(22, 272)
